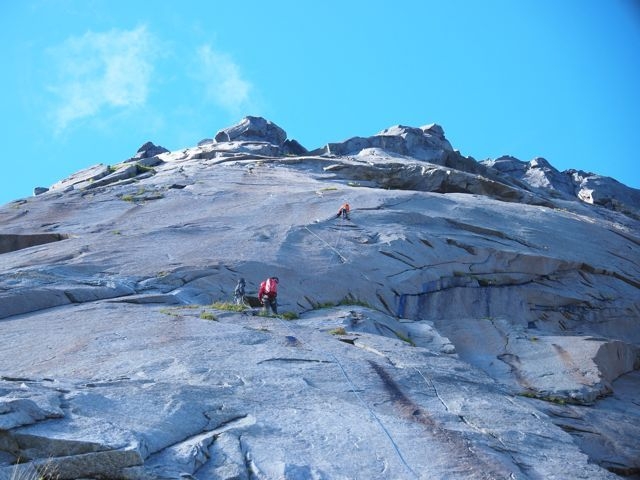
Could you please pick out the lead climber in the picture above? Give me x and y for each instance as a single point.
(344, 211)
(268, 293)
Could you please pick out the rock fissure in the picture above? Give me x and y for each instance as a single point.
(292, 360)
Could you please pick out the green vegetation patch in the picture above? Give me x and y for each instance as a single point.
(229, 307)
(545, 398)
(178, 312)
(142, 196)
(405, 338)
(320, 305)
(204, 315)
(350, 300)
(338, 331)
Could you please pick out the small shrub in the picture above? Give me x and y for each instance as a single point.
(338, 331)
(204, 315)
(141, 195)
(115, 168)
(290, 316)
(143, 168)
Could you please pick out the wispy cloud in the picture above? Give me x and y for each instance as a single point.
(97, 71)
(222, 80)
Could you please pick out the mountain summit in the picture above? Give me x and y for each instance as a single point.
(468, 319)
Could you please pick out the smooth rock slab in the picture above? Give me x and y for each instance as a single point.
(301, 402)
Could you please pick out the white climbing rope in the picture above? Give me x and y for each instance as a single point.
(342, 257)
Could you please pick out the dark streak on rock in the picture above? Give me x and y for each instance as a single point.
(459, 447)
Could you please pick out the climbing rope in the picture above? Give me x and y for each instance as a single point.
(339, 239)
(357, 395)
(342, 257)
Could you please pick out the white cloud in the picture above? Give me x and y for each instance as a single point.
(222, 80)
(101, 70)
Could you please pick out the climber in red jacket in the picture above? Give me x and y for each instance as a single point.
(268, 293)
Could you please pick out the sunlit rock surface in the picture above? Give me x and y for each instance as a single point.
(470, 320)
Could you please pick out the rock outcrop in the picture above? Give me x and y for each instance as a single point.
(149, 150)
(471, 320)
(425, 143)
(253, 129)
(259, 136)
(588, 187)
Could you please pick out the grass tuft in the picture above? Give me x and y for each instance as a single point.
(321, 305)
(549, 398)
(338, 331)
(45, 471)
(229, 307)
(171, 312)
(405, 338)
(349, 300)
(204, 315)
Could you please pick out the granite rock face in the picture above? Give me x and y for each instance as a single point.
(470, 320)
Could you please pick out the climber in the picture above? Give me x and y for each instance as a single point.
(238, 293)
(267, 294)
(344, 211)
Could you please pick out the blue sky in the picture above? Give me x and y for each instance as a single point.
(90, 81)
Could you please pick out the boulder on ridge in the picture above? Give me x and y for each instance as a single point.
(426, 143)
(147, 155)
(253, 129)
(148, 150)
